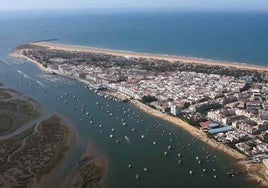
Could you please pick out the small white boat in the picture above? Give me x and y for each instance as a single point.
(145, 170)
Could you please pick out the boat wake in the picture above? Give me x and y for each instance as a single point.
(3, 61)
(25, 75)
(40, 83)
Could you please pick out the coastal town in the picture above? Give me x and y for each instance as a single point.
(227, 103)
(134, 94)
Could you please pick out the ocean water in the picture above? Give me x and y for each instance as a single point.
(188, 34)
(240, 37)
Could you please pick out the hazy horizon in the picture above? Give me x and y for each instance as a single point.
(186, 5)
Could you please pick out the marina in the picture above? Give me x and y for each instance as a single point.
(129, 131)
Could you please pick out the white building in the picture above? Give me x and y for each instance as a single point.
(175, 110)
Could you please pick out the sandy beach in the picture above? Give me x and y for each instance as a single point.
(255, 172)
(171, 58)
(18, 54)
(192, 130)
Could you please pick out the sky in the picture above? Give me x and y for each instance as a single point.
(237, 5)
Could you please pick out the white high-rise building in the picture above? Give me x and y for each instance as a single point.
(174, 110)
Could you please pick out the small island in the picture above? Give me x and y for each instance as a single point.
(26, 155)
(88, 172)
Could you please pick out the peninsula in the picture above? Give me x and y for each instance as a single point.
(223, 104)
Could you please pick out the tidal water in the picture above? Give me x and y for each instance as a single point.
(144, 33)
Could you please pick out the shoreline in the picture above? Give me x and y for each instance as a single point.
(94, 157)
(18, 54)
(256, 172)
(71, 143)
(253, 175)
(171, 58)
(176, 121)
(199, 134)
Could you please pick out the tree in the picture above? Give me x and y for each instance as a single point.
(148, 99)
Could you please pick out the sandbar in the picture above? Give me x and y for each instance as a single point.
(171, 58)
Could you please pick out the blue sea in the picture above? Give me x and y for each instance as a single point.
(240, 37)
(237, 37)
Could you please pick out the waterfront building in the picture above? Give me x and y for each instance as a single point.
(175, 110)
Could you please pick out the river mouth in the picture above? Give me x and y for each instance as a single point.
(56, 95)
